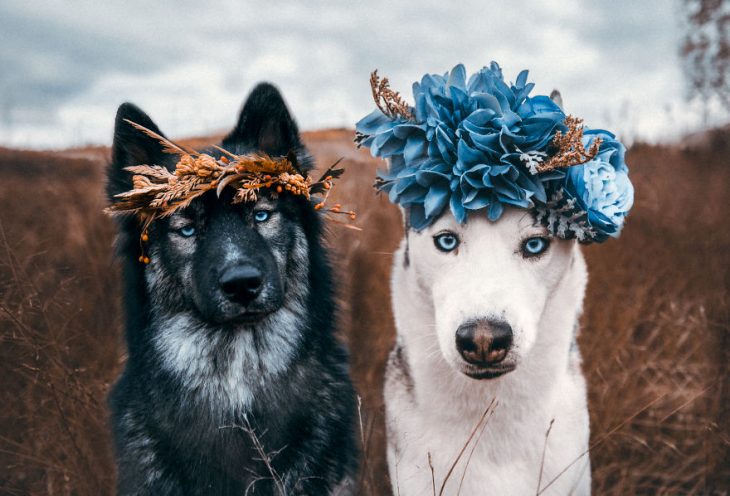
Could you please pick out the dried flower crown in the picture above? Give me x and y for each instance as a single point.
(482, 144)
(158, 192)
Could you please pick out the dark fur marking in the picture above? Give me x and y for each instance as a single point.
(399, 362)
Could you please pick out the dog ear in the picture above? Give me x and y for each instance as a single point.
(132, 147)
(265, 124)
(557, 99)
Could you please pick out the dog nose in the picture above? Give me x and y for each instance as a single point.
(241, 283)
(484, 342)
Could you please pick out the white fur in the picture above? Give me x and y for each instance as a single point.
(432, 407)
(188, 348)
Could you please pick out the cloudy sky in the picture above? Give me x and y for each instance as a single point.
(67, 65)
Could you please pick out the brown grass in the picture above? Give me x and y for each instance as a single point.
(655, 331)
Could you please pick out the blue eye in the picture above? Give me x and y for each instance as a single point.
(187, 231)
(446, 241)
(261, 215)
(533, 247)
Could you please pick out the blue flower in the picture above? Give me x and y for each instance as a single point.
(463, 149)
(480, 145)
(601, 188)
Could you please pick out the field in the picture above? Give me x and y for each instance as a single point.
(655, 334)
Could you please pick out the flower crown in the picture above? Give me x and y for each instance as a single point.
(157, 192)
(482, 144)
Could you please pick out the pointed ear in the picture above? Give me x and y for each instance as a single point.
(131, 147)
(265, 124)
(557, 99)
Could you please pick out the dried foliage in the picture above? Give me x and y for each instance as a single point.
(568, 147)
(388, 101)
(655, 334)
(157, 192)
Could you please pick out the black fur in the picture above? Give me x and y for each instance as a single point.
(175, 432)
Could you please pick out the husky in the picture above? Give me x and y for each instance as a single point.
(234, 382)
(484, 391)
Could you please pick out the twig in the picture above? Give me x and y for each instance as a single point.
(433, 477)
(365, 443)
(692, 399)
(471, 452)
(542, 460)
(602, 439)
(463, 448)
(263, 456)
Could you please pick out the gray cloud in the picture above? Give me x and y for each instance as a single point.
(66, 68)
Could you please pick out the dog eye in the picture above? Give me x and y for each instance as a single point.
(532, 247)
(261, 216)
(186, 231)
(446, 241)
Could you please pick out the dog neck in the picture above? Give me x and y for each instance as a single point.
(225, 364)
(449, 393)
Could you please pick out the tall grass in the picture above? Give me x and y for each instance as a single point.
(654, 335)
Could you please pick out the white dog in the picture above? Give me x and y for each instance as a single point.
(486, 362)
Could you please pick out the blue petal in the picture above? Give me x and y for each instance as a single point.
(373, 122)
(457, 77)
(436, 199)
(521, 79)
(417, 218)
(495, 211)
(457, 208)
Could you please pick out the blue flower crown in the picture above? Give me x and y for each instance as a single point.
(482, 144)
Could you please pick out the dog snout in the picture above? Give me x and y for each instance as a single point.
(241, 283)
(484, 342)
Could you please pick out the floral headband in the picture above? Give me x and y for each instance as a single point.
(482, 144)
(157, 192)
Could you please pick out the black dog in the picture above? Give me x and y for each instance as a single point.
(235, 383)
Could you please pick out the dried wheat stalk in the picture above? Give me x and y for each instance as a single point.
(570, 149)
(388, 101)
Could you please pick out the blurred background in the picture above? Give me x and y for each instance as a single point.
(655, 336)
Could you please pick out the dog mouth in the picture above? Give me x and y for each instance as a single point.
(490, 372)
(242, 317)
(250, 317)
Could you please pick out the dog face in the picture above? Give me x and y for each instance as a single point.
(488, 283)
(222, 262)
(229, 261)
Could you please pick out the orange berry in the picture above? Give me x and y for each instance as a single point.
(327, 186)
(319, 206)
(278, 189)
(145, 237)
(141, 258)
(146, 260)
(353, 216)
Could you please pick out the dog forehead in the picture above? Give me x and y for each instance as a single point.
(213, 206)
(513, 223)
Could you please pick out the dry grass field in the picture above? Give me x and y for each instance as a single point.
(655, 335)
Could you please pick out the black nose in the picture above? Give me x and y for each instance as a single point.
(241, 283)
(484, 342)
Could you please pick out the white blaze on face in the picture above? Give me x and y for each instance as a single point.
(488, 276)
